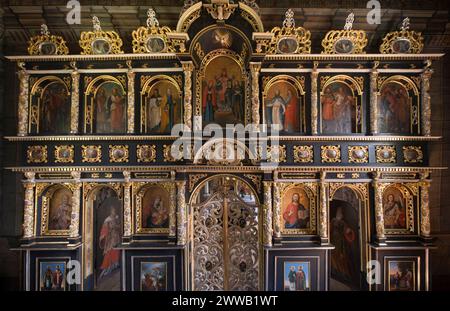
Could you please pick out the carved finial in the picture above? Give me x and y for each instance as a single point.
(289, 21)
(349, 21)
(96, 23)
(405, 24)
(44, 30)
(152, 21)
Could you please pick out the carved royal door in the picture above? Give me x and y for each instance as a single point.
(225, 236)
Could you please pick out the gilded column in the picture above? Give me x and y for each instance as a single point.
(255, 69)
(426, 101)
(314, 100)
(172, 216)
(323, 207)
(276, 210)
(76, 193)
(188, 68)
(374, 99)
(24, 77)
(75, 100)
(28, 211)
(267, 214)
(425, 227)
(379, 213)
(127, 228)
(131, 105)
(181, 214)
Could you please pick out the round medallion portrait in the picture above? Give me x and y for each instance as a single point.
(47, 48)
(358, 154)
(304, 154)
(344, 46)
(287, 46)
(331, 153)
(101, 46)
(401, 46)
(155, 45)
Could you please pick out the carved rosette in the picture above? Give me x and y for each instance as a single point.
(76, 193)
(28, 212)
(426, 102)
(172, 212)
(130, 111)
(127, 220)
(181, 214)
(276, 210)
(379, 213)
(24, 77)
(255, 69)
(188, 68)
(75, 100)
(323, 207)
(425, 227)
(374, 100)
(314, 100)
(267, 214)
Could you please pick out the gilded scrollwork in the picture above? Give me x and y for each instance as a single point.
(75, 100)
(277, 210)
(220, 9)
(323, 207)
(374, 98)
(152, 38)
(91, 153)
(304, 154)
(118, 154)
(276, 153)
(358, 154)
(37, 154)
(255, 69)
(146, 153)
(127, 205)
(425, 227)
(131, 96)
(256, 180)
(314, 99)
(379, 211)
(188, 68)
(194, 180)
(74, 230)
(412, 154)
(426, 102)
(64, 154)
(403, 41)
(386, 154)
(331, 154)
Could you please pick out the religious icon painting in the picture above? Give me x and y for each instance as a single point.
(153, 276)
(398, 210)
(54, 110)
(297, 211)
(52, 276)
(108, 231)
(153, 203)
(101, 46)
(297, 276)
(283, 107)
(394, 109)
(340, 110)
(344, 46)
(287, 45)
(47, 48)
(162, 107)
(401, 275)
(344, 234)
(110, 108)
(57, 204)
(155, 44)
(64, 154)
(91, 154)
(223, 92)
(37, 154)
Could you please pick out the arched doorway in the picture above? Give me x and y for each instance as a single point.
(102, 235)
(225, 235)
(347, 235)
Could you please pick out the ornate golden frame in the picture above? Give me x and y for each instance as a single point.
(311, 192)
(139, 190)
(91, 89)
(50, 189)
(415, 40)
(141, 149)
(30, 154)
(326, 158)
(356, 84)
(113, 158)
(357, 37)
(386, 148)
(297, 83)
(88, 38)
(147, 85)
(299, 34)
(417, 149)
(35, 44)
(304, 159)
(69, 159)
(201, 74)
(414, 103)
(409, 192)
(353, 159)
(37, 92)
(142, 35)
(87, 158)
